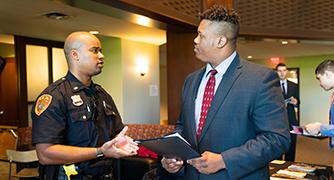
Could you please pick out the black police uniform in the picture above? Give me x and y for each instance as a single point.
(77, 116)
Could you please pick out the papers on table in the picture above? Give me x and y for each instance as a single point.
(277, 162)
(302, 168)
(294, 171)
(293, 174)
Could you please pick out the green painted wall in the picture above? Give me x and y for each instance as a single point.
(111, 77)
(131, 92)
(140, 106)
(314, 100)
(7, 50)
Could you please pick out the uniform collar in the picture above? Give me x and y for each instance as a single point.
(76, 85)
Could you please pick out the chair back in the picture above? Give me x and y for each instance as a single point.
(22, 156)
(148, 131)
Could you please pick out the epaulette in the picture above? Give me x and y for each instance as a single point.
(100, 88)
(56, 84)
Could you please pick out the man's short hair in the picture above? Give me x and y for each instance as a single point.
(228, 17)
(326, 65)
(280, 65)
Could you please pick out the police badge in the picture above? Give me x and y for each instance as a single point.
(76, 100)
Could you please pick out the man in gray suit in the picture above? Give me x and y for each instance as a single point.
(233, 111)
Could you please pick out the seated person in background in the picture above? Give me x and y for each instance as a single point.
(325, 75)
(76, 121)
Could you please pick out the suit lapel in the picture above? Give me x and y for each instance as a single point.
(195, 87)
(230, 76)
(288, 88)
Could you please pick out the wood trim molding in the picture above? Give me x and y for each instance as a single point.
(20, 54)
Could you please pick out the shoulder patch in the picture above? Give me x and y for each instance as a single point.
(42, 103)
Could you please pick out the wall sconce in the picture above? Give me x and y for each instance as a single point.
(142, 66)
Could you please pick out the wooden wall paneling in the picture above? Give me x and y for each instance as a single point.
(181, 61)
(20, 53)
(8, 94)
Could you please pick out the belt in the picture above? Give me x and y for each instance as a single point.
(98, 177)
(82, 176)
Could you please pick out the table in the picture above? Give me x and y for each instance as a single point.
(322, 172)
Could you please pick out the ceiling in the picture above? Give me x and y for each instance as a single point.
(266, 48)
(25, 17)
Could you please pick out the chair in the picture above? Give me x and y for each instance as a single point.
(8, 140)
(24, 139)
(22, 157)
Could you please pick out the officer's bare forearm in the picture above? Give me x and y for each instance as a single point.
(62, 154)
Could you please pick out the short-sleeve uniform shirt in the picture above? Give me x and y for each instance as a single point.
(69, 113)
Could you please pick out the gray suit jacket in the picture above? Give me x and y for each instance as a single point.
(247, 122)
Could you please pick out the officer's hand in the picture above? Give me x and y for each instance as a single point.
(120, 146)
(171, 165)
(125, 142)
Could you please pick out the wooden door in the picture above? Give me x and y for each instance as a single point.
(9, 94)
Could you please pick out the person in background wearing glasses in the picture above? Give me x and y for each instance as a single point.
(291, 97)
(75, 122)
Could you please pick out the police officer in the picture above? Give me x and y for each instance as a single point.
(76, 122)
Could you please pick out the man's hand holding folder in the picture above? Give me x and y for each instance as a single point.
(208, 163)
(174, 149)
(171, 146)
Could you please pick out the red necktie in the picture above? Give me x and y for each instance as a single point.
(206, 102)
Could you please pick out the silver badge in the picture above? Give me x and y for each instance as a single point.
(76, 99)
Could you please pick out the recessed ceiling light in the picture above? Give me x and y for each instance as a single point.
(94, 32)
(143, 20)
(57, 16)
(285, 42)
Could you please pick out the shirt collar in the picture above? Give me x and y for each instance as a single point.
(283, 81)
(76, 85)
(223, 66)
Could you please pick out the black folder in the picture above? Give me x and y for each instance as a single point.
(170, 147)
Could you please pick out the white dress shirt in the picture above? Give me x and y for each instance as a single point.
(285, 85)
(221, 69)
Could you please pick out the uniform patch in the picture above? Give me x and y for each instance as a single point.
(76, 100)
(42, 103)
